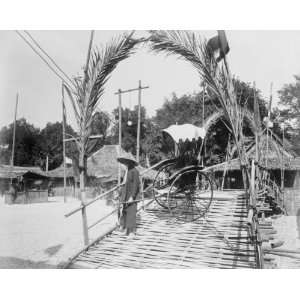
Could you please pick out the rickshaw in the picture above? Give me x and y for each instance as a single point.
(180, 186)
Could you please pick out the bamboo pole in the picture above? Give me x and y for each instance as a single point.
(139, 89)
(14, 134)
(82, 159)
(64, 142)
(139, 123)
(268, 120)
(203, 122)
(253, 193)
(47, 164)
(228, 157)
(120, 135)
(282, 164)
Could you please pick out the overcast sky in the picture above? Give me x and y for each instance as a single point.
(260, 56)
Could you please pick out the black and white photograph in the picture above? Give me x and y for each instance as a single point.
(149, 150)
(155, 149)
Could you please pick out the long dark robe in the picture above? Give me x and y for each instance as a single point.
(130, 189)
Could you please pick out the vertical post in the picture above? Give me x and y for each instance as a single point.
(253, 190)
(268, 120)
(82, 198)
(88, 60)
(120, 134)
(14, 134)
(139, 124)
(142, 192)
(64, 142)
(47, 164)
(82, 158)
(203, 99)
(282, 163)
(257, 132)
(203, 117)
(176, 146)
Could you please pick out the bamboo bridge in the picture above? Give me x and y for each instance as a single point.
(230, 235)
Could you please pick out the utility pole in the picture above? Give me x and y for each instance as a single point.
(120, 135)
(14, 135)
(268, 121)
(139, 89)
(64, 142)
(139, 124)
(203, 117)
(282, 160)
(47, 164)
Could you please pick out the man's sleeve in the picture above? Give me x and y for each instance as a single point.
(135, 184)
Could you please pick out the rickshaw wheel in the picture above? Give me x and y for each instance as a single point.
(161, 185)
(190, 195)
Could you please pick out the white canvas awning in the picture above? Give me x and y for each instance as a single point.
(185, 132)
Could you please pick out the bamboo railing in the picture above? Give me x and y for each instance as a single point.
(113, 196)
(252, 219)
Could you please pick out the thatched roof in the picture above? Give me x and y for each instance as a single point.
(292, 164)
(102, 164)
(270, 158)
(6, 171)
(59, 172)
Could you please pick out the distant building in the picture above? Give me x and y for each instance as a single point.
(29, 183)
(102, 172)
(272, 159)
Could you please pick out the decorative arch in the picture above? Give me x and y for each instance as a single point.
(219, 114)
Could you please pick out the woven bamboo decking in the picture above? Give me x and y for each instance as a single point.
(219, 241)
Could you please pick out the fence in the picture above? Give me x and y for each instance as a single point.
(74, 192)
(292, 201)
(30, 196)
(112, 195)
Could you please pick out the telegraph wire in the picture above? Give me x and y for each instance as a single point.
(45, 61)
(51, 59)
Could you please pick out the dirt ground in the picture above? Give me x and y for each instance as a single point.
(288, 230)
(39, 236)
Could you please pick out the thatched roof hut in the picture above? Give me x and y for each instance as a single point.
(59, 172)
(7, 172)
(102, 164)
(270, 158)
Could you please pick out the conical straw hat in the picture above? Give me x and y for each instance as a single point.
(127, 158)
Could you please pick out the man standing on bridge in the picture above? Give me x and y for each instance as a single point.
(129, 195)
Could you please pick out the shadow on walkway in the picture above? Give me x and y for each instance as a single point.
(7, 262)
(53, 249)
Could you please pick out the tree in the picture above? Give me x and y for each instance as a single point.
(289, 97)
(89, 92)
(184, 109)
(51, 144)
(27, 144)
(188, 109)
(289, 112)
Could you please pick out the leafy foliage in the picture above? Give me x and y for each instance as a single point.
(90, 87)
(27, 146)
(34, 145)
(289, 113)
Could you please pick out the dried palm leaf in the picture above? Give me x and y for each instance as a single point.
(90, 87)
(190, 47)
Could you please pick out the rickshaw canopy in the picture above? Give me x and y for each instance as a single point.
(185, 132)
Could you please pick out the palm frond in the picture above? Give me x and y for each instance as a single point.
(90, 87)
(190, 47)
